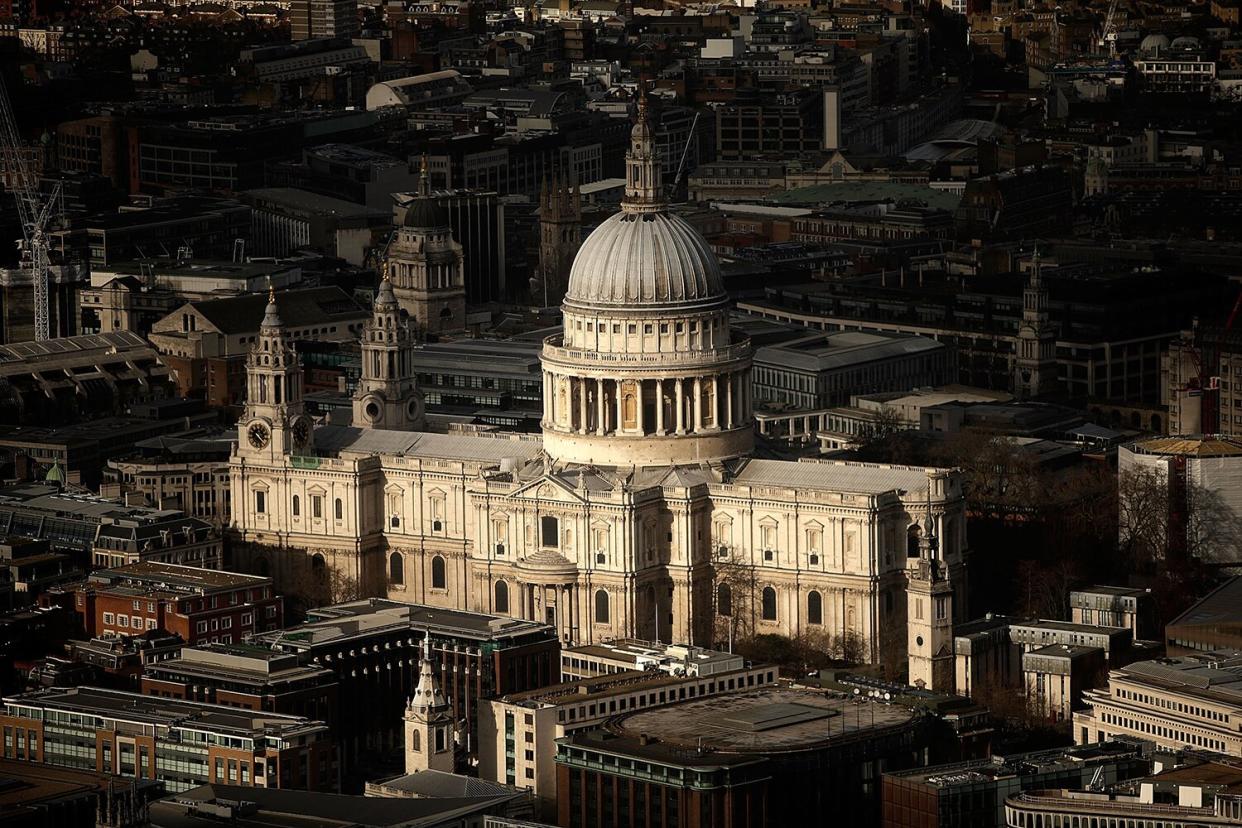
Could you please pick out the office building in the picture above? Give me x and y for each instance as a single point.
(372, 648)
(285, 220)
(186, 472)
(1190, 701)
(763, 756)
(200, 605)
(968, 794)
(242, 807)
(828, 370)
(107, 533)
(518, 733)
(1054, 677)
(182, 744)
(1214, 622)
(1200, 790)
(246, 676)
(310, 19)
(1110, 606)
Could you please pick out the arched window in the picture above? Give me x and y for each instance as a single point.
(601, 607)
(814, 608)
(396, 568)
(769, 604)
(319, 566)
(340, 509)
(724, 600)
(502, 597)
(416, 742)
(438, 581)
(912, 541)
(297, 506)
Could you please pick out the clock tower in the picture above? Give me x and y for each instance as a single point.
(274, 424)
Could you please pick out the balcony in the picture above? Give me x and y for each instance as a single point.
(553, 350)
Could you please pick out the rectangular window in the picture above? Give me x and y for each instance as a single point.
(260, 502)
(316, 506)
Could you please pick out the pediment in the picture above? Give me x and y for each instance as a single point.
(550, 489)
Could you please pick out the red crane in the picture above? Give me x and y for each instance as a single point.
(1206, 357)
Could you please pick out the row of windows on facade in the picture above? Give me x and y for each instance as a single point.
(1169, 704)
(1165, 732)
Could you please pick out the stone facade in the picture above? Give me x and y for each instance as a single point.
(640, 513)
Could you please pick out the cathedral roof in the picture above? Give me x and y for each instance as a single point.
(332, 439)
(644, 256)
(425, 213)
(832, 475)
(644, 259)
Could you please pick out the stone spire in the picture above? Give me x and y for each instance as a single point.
(271, 316)
(427, 696)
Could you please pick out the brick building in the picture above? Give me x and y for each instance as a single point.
(200, 605)
(246, 676)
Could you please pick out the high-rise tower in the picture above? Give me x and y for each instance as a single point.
(387, 396)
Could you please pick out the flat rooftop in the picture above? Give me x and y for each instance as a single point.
(1109, 590)
(1017, 765)
(173, 713)
(1068, 626)
(1214, 676)
(377, 616)
(175, 578)
(600, 687)
(764, 720)
(636, 652)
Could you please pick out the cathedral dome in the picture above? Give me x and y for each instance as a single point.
(424, 213)
(644, 259)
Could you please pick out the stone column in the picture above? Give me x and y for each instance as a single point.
(601, 411)
(640, 426)
(681, 405)
(616, 385)
(659, 405)
(549, 410)
(698, 404)
(715, 402)
(580, 384)
(729, 400)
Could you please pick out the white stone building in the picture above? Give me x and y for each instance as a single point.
(641, 497)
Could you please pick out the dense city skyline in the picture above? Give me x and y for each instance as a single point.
(627, 413)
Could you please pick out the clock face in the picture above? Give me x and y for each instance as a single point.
(301, 431)
(258, 435)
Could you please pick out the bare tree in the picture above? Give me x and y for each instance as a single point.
(735, 595)
(1163, 520)
(312, 586)
(999, 478)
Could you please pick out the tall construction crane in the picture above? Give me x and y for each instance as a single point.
(34, 209)
(1108, 34)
